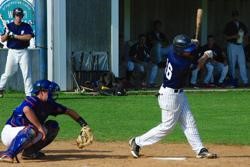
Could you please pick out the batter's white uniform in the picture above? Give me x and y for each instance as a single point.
(174, 105)
(174, 109)
(15, 58)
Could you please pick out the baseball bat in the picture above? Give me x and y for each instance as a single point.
(198, 22)
(77, 85)
(4, 22)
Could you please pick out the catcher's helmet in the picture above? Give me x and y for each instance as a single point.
(18, 12)
(183, 43)
(41, 85)
(54, 89)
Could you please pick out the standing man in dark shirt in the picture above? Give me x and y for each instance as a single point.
(18, 35)
(235, 31)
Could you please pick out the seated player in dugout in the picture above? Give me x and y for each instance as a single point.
(216, 65)
(28, 130)
(139, 56)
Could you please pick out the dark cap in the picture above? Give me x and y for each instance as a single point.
(18, 12)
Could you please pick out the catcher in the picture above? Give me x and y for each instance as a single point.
(28, 130)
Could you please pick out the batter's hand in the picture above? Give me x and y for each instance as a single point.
(195, 41)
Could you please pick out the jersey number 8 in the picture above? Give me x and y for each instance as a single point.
(168, 71)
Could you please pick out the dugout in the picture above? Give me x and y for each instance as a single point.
(136, 17)
(104, 25)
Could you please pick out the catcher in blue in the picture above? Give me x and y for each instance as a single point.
(28, 130)
(173, 101)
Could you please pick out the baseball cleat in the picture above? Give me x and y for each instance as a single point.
(135, 149)
(36, 155)
(205, 154)
(6, 158)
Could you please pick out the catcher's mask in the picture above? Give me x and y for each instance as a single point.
(183, 45)
(40, 85)
(54, 90)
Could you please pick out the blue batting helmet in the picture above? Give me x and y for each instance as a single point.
(41, 85)
(183, 43)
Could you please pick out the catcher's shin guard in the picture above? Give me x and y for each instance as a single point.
(52, 131)
(22, 140)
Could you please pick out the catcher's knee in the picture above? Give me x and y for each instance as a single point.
(52, 127)
(51, 124)
(30, 132)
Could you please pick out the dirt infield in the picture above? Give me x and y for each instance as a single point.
(116, 154)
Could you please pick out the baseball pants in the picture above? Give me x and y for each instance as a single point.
(174, 108)
(9, 133)
(18, 57)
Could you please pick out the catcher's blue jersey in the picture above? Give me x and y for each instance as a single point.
(41, 109)
(18, 117)
(176, 71)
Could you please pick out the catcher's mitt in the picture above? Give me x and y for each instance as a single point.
(85, 137)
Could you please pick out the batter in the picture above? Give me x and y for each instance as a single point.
(172, 100)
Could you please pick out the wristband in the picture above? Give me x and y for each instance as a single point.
(81, 121)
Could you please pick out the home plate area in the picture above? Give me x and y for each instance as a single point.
(116, 154)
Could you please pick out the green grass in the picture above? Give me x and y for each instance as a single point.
(221, 117)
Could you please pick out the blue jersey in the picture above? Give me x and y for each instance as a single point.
(18, 117)
(41, 109)
(176, 71)
(21, 29)
(51, 108)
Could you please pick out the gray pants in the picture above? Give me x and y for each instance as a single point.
(236, 55)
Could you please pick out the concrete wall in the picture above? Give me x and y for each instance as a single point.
(16, 81)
